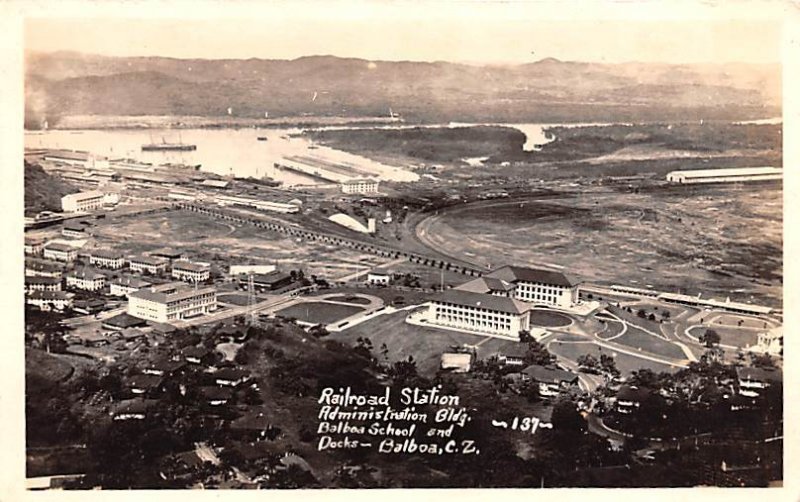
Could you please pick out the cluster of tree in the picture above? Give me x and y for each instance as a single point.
(605, 364)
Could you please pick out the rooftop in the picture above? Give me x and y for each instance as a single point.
(105, 253)
(488, 302)
(131, 282)
(173, 291)
(88, 275)
(551, 375)
(190, 266)
(631, 393)
(91, 194)
(511, 273)
(57, 246)
(50, 295)
(38, 279)
(149, 260)
(486, 285)
(358, 180)
(759, 374)
(734, 171)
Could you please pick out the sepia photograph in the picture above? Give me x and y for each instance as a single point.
(402, 245)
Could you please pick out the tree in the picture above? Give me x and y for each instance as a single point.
(609, 365)
(588, 362)
(641, 313)
(710, 338)
(538, 354)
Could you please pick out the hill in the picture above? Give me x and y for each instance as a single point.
(66, 84)
(43, 192)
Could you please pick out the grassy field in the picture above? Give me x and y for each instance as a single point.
(425, 345)
(235, 299)
(638, 339)
(43, 370)
(319, 312)
(549, 319)
(613, 328)
(625, 363)
(728, 336)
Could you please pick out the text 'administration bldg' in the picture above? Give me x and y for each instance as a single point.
(172, 302)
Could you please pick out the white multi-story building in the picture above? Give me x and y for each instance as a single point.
(50, 300)
(41, 268)
(727, 175)
(86, 280)
(360, 186)
(127, 285)
(149, 264)
(478, 313)
(172, 302)
(82, 201)
(42, 283)
(190, 272)
(536, 286)
(60, 252)
(33, 247)
(106, 258)
(770, 342)
(379, 278)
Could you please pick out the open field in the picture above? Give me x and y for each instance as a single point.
(237, 299)
(425, 345)
(721, 241)
(625, 363)
(638, 339)
(43, 370)
(613, 328)
(207, 239)
(319, 312)
(728, 336)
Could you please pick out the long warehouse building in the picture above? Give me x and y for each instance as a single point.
(732, 175)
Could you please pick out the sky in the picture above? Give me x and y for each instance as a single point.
(420, 31)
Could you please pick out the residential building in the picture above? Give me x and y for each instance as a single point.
(215, 396)
(532, 285)
(148, 385)
(152, 265)
(90, 306)
(551, 381)
(753, 381)
(172, 302)
(50, 300)
(86, 280)
(82, 201)
(106, 258)
(42, 283)
(231, 377)
(133, 409)
(164, 367)
(74, 230)
(197, 355)
(167, 253)
(630, 398)
(513, 355)
(478, 313)
(33, 247)
(190, 272)
(124, 286)
(360, 186)
(60, 252)
(253, 427)
(43, 268)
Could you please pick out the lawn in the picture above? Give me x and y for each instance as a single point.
(319, 312)
(638, 339)
(549, 319)
(236, 299)
(425, 345)
(613, 328)
(625, 363)
(728, 336)
(43, 370)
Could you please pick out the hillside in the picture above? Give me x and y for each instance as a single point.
(43, 192)
(66, 84)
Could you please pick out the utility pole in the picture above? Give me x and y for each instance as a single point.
(251, 299)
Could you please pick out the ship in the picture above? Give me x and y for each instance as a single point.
(168, 147)
(262, 138)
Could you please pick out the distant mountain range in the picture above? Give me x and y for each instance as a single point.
(67, 84)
